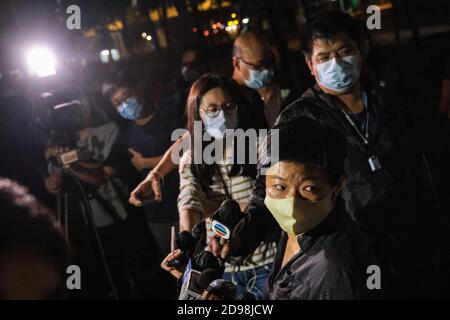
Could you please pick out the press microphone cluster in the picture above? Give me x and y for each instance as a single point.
(200, 272)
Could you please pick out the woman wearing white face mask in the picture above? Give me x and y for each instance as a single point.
(203, 187)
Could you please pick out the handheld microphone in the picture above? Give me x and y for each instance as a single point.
(206, 277)
(228, 220)
(221, 290)
(185, 242)
(192, 281)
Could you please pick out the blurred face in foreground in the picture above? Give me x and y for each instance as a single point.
(26, 275)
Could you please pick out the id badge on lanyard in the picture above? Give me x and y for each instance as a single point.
(373, 161)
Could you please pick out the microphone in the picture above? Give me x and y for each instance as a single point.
(206, 277)
(228, 220)
(206, 260)
(186, 243)
(193, 282)
(221, 289)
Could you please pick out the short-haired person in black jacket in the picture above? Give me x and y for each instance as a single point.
(386, 190)
(321, 254)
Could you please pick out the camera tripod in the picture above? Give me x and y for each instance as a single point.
(63, 203)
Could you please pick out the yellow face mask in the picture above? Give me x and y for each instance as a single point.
(296, 215)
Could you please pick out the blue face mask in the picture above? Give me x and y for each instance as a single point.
(259, 79)
(339, 74)
(130, 109)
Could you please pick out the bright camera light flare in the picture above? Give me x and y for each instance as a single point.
(41, 61)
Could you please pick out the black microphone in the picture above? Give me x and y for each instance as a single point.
(222, 289)
(206, 277)
(186, 243)
(206, 260)
(228, 220)
(191, 289)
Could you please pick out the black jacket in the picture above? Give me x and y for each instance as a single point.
(392, 206)
(332, 263)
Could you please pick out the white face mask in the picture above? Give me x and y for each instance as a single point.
(217, 126)
(296, 215)
(339, 74)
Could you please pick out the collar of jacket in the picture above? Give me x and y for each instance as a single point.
(376, 107)
(329, 225)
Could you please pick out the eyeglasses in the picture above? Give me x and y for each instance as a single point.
(269, 63)
(213, 111)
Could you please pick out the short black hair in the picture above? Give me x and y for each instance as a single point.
(26, 225)
(327, 25)
(305, 141)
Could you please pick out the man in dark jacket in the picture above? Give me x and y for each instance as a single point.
(386, 192)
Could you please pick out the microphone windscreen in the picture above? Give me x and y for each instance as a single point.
(230, 213)
(224, 290)
(198, 231)
(185, 242)
(206, 260)
(206, 277)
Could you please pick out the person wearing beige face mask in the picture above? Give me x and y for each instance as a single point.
(321, 253)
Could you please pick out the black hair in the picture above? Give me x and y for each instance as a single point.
(330, 23)
(141, 82)
(26, 225)
(304, 141)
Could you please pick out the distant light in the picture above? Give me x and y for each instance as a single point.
(206, 33)
(144, 35)
(115, 55)
(194, 29)
(149, 38)
(233, 15)
(104, 56)
(214, 26)
(245, 20)
(41, 61)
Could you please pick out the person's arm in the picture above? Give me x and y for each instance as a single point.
(94, 176)
(140, 162)
(259, 221)
(150, 188)
(191, 199)
(259, 224)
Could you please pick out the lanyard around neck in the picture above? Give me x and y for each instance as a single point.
(365, 127)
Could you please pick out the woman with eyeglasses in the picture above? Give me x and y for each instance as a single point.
(203, 186)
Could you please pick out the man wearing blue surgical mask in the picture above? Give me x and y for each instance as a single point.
(388, 190)
(254, 68)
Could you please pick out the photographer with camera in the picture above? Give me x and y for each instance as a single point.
(110, 238)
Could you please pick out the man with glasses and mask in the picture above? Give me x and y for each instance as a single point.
(254, 67)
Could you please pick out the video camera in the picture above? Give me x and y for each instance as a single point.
(59, 120)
